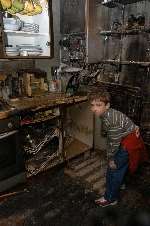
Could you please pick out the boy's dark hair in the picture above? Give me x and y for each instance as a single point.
(101, 95)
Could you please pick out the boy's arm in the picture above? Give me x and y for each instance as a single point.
(113, 144)
(115, 135)
(110, 155)
(114, 140)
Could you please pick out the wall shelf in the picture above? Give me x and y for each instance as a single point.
(125, 2)
(131, 89)
(125, 62)
(115, 3)
(22, 33)
(125, 32)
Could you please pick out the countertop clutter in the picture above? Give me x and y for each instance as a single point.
(17, 105)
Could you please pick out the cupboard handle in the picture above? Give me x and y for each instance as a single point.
(48, 43)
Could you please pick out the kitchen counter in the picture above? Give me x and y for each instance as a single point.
(50, 100)
(6, 113)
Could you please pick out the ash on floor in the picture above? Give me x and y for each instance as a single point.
(55, 199)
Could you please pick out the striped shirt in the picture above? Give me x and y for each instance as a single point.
(116, 125)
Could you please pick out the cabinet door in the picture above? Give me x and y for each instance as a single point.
(29, 34)
(72, 14)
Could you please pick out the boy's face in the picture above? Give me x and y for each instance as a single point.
(98, 107)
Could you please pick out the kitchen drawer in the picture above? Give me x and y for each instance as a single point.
(9, 124)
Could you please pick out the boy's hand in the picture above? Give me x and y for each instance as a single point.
(137, 132)
(112, 164)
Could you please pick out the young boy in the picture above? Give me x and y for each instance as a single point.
(126, 148)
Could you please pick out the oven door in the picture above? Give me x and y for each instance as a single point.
(11, 155)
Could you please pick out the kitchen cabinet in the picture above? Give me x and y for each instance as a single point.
(125, 35)
(42, 130)
(72, 15)
(80, 43)
(78, 130)
(24, 35)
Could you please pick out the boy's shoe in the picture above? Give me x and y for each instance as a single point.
(103, 202)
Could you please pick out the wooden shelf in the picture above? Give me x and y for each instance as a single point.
(75, 148)
(133, 90)
(31, 122)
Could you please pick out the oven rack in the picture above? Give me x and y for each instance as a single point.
(51, 160)
(48, 137)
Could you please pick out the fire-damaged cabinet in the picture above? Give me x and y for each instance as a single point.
(78, 137)
(43, 130)
(112, 51)
(41, 135)
(33, 136)
(79, 41)
(124, 31)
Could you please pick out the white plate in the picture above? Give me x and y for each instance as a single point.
(10, 21)
(31, 50)
(28, 46)
(12, 49)
(72, 69)
(31, 31)
(11, 27)
(12, 54)
(34, 54)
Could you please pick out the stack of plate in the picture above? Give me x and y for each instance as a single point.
(12, 24)
(29, 27)
(12, 51)
(31, 50)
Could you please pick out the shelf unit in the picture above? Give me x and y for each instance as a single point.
(121, 33)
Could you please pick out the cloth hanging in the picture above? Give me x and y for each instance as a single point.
(136, 150)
